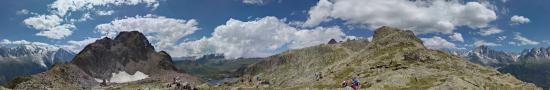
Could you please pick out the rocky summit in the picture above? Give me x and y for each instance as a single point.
(394, 60)
(105, 60)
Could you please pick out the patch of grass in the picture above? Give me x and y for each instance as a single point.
(420, 83)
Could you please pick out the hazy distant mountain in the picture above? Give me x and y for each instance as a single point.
(533, 66)
(129, 54)
(485, 56)
(214, 68)
(24, 60)
(541, 55)
(395, 59)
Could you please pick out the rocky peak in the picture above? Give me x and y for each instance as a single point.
(388, 36)
(129, 51)
(134, 39)
(332, 41)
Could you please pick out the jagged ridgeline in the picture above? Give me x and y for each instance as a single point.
(130, 52)
(395, 59)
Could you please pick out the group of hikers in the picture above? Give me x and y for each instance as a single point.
(353, 83)
(178, 85)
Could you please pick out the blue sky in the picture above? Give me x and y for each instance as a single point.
(294, 17)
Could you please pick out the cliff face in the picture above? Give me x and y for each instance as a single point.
(395, 59)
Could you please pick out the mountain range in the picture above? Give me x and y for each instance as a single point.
(22, 60)
(394, 59)
(531, 65)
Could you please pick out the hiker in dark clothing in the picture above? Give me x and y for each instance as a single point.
(355, 83)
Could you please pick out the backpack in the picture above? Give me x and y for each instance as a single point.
(355, 82)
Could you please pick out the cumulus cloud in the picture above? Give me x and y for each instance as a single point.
(56, 24)
(62, 7)
(438, 43)
(485, 43)
(421, 16)
(77, 46)
(490, 31)
(161, 31)
(259, 38)
(457, 37)
(523, 40)
(319, 13)
(519, 20)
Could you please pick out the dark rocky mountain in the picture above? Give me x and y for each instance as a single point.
(332, 41)
(22, 60)
(129, 52)
(483, 55)
(395, 59)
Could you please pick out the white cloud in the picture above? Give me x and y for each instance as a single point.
(77, 46)
(490, 31)
(161, 31)
(57, 25)
(457, 37)
(50, 26)
(501, 38)
(319, 13)
(105, 13)
(256, 2)
(519, 20)
(421, 16)
(438, 43)
(259, 38)
(62, 7)
(485, 43)
(85, 17)
(523, 40)
(22, 12)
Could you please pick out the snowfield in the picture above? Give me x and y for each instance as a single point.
(123, 77)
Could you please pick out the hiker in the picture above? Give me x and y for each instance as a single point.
(355, 83)
(345, 83)
(103, 83)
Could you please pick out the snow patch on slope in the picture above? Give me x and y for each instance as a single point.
(123, 77)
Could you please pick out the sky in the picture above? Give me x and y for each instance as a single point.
(260, 28)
